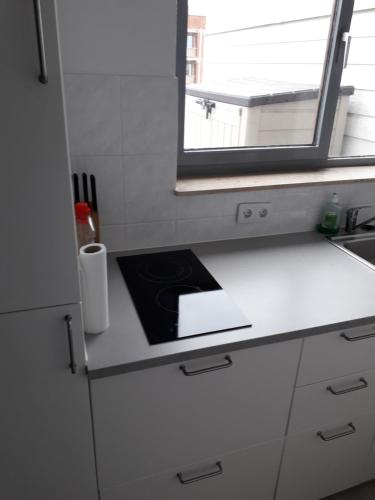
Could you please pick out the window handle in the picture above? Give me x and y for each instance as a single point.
(347, 39)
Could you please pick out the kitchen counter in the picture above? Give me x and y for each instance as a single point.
(289, 286)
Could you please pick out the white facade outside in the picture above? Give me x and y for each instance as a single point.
(290, 53)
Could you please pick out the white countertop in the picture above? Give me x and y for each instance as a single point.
(288, 286)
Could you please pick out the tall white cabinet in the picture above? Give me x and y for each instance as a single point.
(45, 422)
(45, 431)
(38, 259)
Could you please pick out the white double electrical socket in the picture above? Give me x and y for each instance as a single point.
(253, 212)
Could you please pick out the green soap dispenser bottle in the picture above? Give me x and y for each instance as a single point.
(331, 215)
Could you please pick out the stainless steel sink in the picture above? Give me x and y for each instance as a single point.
(361, 246)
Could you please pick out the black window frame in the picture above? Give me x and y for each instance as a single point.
(255, 159)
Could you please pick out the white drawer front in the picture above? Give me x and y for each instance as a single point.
(313, 468)
(154, 420)
(249, 474)
(337, 354)
(370, 472)
(333, 400)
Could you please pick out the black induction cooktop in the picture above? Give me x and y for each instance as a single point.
(176, 297)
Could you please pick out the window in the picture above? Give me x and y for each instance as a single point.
(263, 83)
(191, 42)
(191, 72)
(359, 74)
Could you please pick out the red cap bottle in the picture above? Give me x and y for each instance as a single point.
(85, 226)
(82, 211)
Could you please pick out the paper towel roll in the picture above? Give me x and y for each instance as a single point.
(93, 267)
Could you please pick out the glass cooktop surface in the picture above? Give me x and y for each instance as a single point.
(176, 297)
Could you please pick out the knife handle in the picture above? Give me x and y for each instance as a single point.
(85, 188)
(76, 188)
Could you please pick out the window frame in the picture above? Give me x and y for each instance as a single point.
(254, 159)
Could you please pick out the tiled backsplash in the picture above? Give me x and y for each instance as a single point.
(123, 128)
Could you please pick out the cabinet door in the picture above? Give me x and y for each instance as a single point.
(336, 354)
(313, 468)
(38, 256)
(45, 425)
(336, 399)
(245, 475)
(154, 420)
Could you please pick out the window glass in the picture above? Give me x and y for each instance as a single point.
(355, 135)
(254, 74)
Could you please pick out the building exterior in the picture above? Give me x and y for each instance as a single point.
(290, 52)
(194, 48)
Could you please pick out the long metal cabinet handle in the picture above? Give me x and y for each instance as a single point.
(360, 337)
(363, 384)
(351, 430)
(43, 76)
(72, 364)
(188, 373)
(203, 476)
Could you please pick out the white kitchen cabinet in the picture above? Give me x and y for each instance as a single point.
(244, 475)
(313, 468)
(332, 422)
(159, 419)
(38, 265)
(336, 354)
(370, 471)
(45, 425)
(45, 420)
(332, 400)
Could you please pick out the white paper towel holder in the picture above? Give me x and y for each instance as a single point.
(94, 287)
(91, 248)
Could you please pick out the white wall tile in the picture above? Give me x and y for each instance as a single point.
(109, 184)
(158, 207)
(113, 237)
(149, 115)
(218, 204)
(122, 122)
(149, 235)
(133, 37)
(218, 228)
(93, 114)
(149, 181)
(207, 205)
(361, 193)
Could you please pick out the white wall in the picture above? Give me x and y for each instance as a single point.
(290, 52)
(121, 95)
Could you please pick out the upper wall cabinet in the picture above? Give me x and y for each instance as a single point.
(38, 265)
(139, 36)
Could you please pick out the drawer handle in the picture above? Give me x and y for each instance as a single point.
(188, 373)
(203, 476)
(359, 337)
(362, 385)
(351, 430)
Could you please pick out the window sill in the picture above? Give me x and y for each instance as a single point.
(274, 180)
